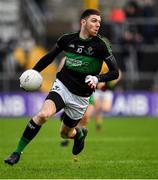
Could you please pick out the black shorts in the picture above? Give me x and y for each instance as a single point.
(68, 121)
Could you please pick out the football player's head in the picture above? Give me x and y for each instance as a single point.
(90, 21)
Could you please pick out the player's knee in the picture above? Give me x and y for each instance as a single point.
(43, 116)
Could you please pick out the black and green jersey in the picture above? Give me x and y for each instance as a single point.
(83, 57)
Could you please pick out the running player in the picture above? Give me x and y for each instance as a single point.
(85, 52)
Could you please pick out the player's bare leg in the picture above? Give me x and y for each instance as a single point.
(31, 130)
(78, 134)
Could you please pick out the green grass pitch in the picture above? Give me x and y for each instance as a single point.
(126, 148)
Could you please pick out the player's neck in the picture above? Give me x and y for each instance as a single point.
(84, 35)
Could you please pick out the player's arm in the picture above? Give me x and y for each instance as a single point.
(47, 59)
(108, 57)
(112, 83)
(113, 72)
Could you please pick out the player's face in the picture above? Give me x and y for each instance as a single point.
(92, 24)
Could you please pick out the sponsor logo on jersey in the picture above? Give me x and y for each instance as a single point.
(75, 63)
(89, 51)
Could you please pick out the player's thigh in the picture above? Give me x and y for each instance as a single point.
(49, 107)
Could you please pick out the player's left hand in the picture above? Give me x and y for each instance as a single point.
(92, 81)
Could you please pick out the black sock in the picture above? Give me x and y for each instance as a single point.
(29, 133)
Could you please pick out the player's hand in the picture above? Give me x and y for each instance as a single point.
(92, 81)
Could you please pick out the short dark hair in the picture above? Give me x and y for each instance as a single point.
(86, 13)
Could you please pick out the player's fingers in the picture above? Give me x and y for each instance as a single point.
(90, 83)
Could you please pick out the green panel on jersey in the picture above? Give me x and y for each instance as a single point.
(83, 64)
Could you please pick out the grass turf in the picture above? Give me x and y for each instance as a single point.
(126, 148)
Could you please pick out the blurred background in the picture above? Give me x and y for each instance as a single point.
(29, 28)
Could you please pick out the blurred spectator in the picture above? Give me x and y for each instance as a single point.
(2, 54)
(132, 36)
(117, 18)
(133, 29)
(149, 28)
(7, 63)
(117, 15)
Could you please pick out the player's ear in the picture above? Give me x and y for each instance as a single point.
(83, 21)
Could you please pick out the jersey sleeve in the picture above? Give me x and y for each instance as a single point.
(106, 49)
(107, 56)
(61, 42)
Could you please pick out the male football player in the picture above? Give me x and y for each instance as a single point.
(85, 52)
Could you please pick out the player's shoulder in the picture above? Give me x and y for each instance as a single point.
(65, 39)
(68, 35)
(104, 41)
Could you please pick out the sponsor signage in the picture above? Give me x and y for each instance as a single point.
(124, 104)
